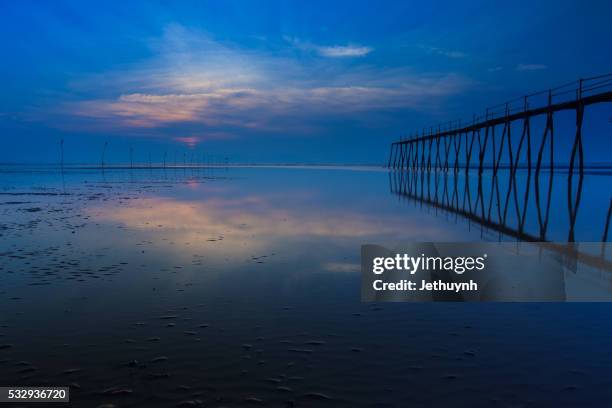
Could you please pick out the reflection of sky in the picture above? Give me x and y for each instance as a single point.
(314, 221)
(265, 211)
(311, 220)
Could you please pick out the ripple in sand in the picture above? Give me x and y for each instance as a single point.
(317, 396)
(116, 391)
(300, 351)
(315, 342)
(253, 400)
(190, 403)
(158, 376)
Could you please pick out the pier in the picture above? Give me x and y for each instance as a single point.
(454, 145)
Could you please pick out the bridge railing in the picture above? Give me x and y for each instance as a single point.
(567, 92)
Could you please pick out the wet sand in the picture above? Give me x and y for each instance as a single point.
(241, 288)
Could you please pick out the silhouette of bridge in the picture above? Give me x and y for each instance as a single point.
(432, 148)
(426, 167)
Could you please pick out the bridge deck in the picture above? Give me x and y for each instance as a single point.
(567, 105)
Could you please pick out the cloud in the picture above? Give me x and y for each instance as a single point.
(445, 53)
(530, 67)
(190, 141)
(495, 69)
(339, 51)
(192, 79)
(145, 110)
(333, 51)
(254, 108)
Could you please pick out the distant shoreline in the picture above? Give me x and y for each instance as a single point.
(159, 166)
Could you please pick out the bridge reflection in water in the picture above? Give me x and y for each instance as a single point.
(514, 204)
(496, 181)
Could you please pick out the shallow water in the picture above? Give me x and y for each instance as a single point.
(241, 287)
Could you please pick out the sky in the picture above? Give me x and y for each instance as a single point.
(277, 82)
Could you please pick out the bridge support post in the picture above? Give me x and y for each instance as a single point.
(572, 202)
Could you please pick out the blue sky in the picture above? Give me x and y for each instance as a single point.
(317, 81)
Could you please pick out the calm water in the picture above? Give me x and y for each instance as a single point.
(241, 287)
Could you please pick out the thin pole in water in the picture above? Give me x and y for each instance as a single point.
(62, 153)
(103, 153)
